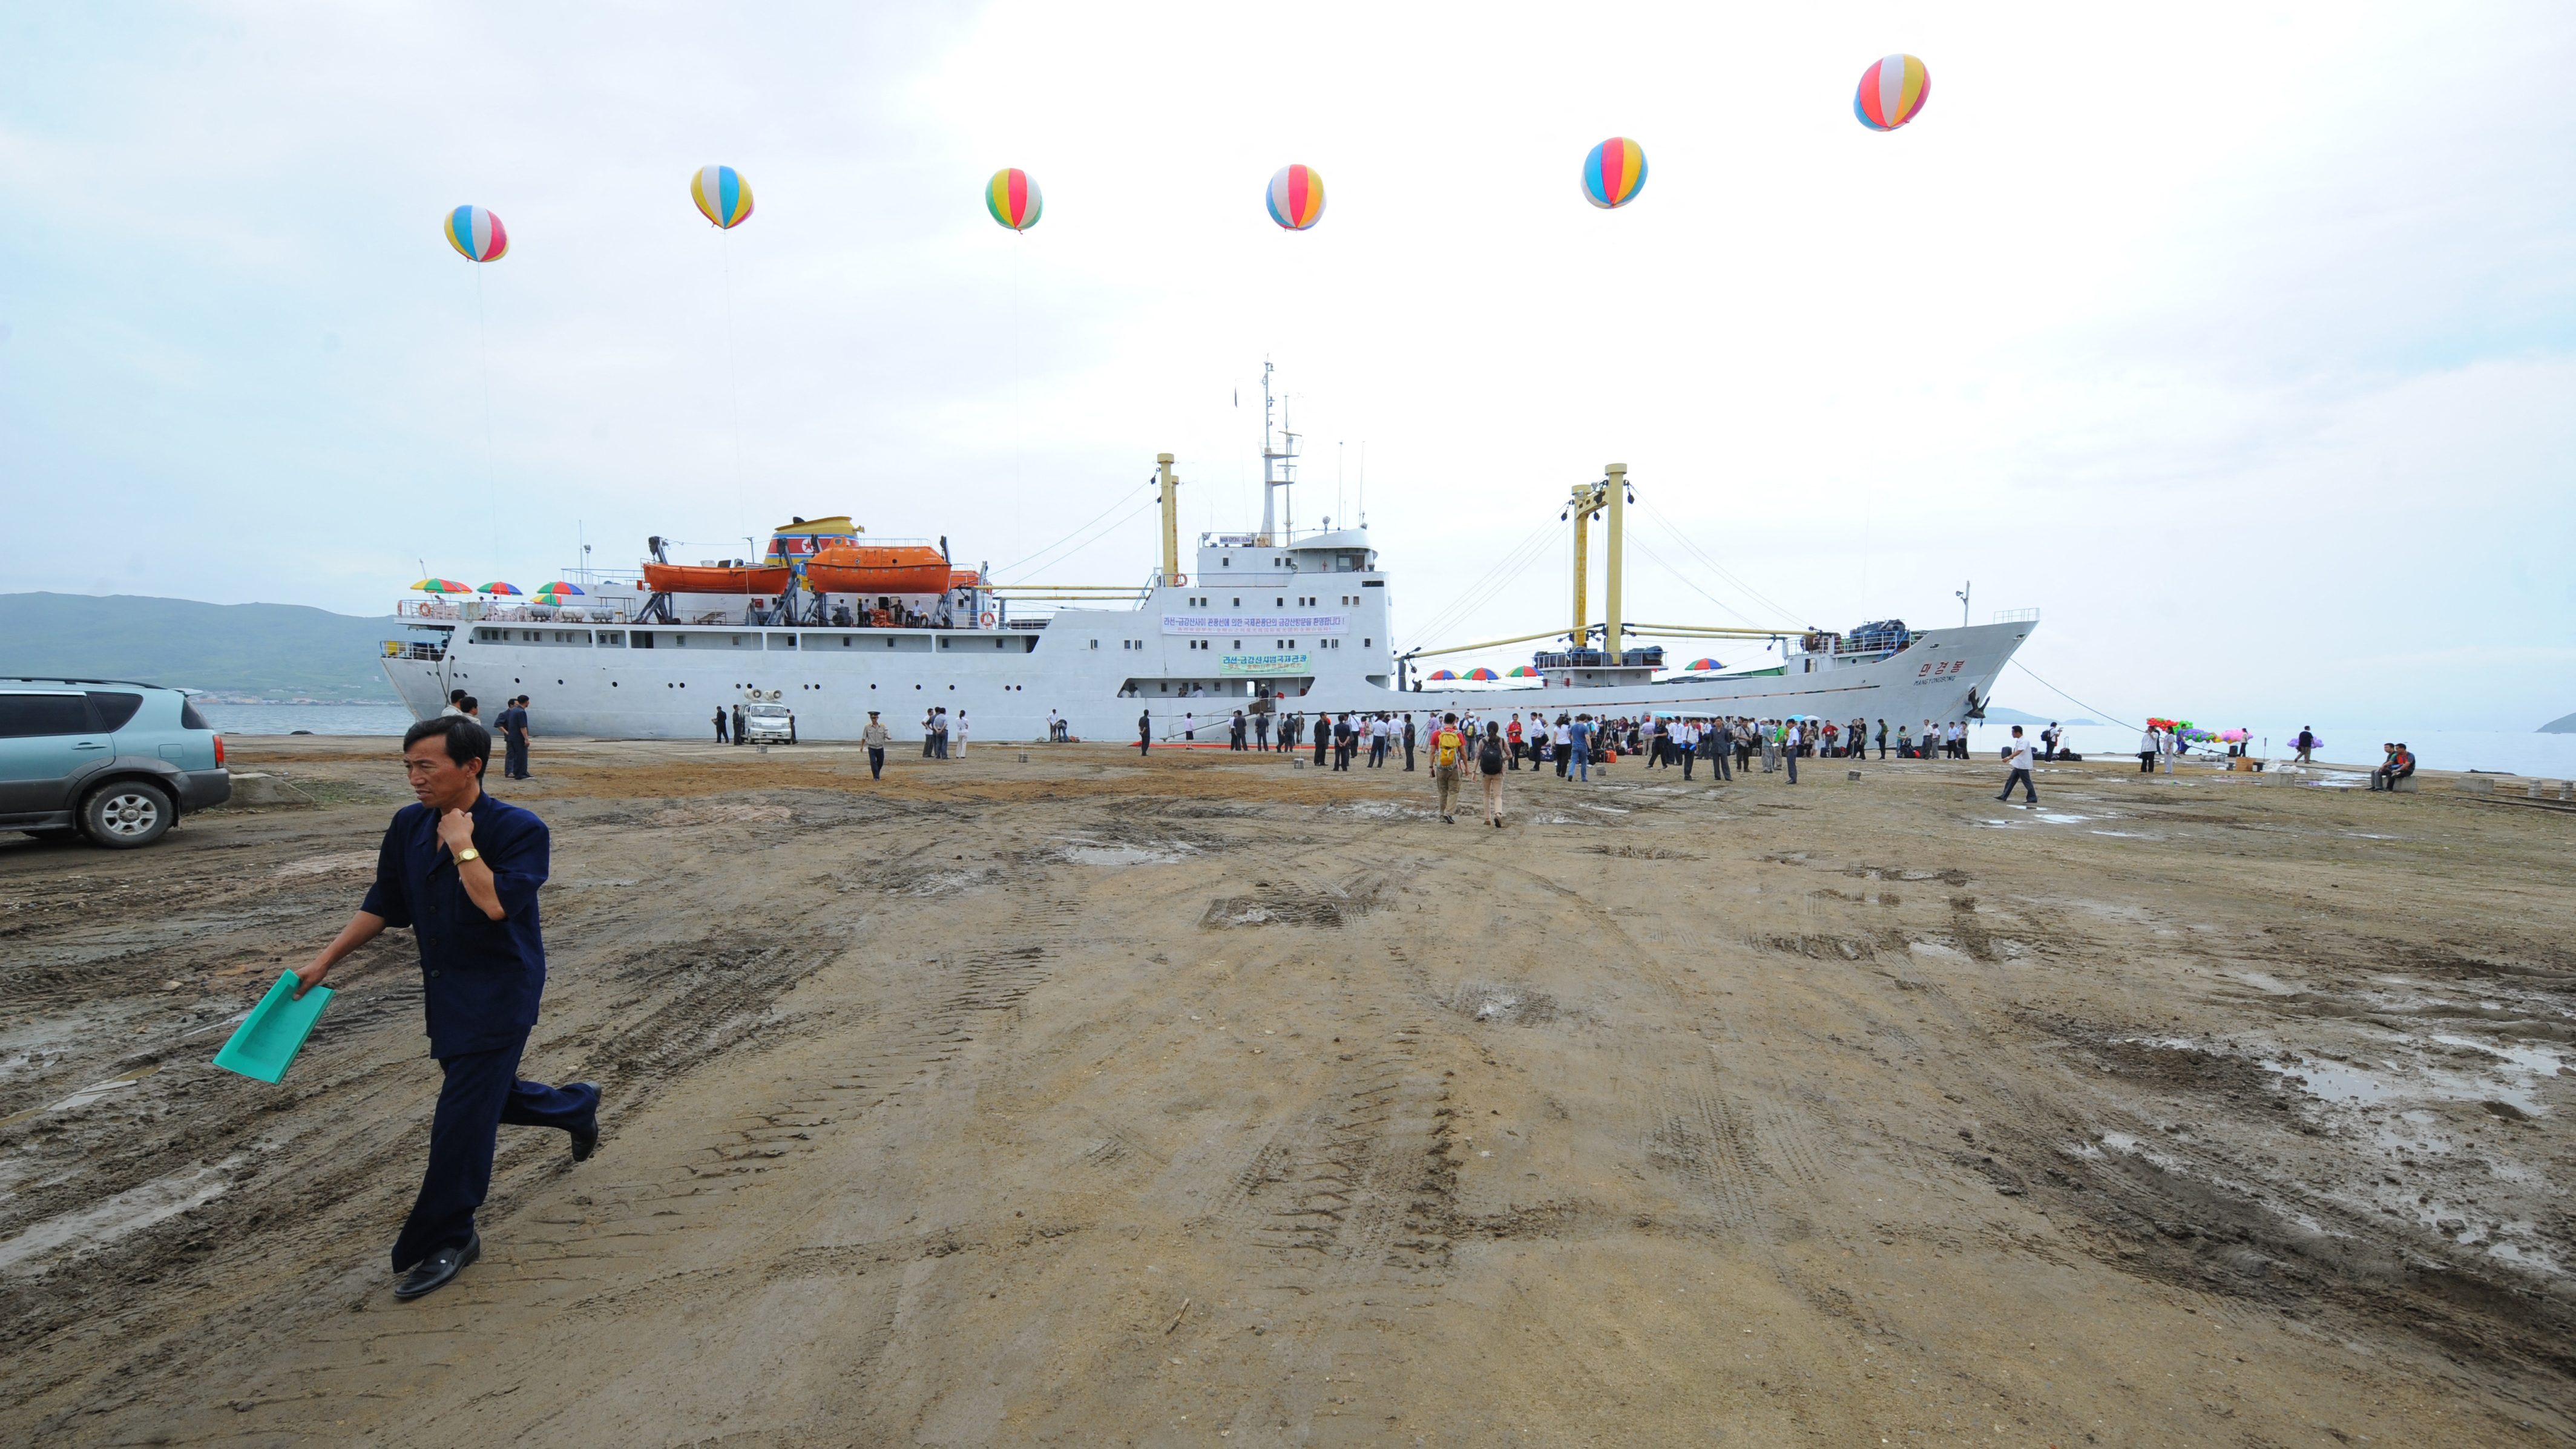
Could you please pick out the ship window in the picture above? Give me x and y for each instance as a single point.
(1238, 603)
(1094, 643)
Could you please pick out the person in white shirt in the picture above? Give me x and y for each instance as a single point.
(957, 733)
(2021, 757)
(1789, 743)
(2150, 745)
(1050, 726)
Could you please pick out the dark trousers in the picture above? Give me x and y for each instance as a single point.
(1322, 742)
(514, 759)
(1792, 756)
(1408, 755)
(2146, 762)
(1882, 747)
(1377, 752)
(876, 764)
(1144, 743)
(482, 1091)
(720, 731)
(2021, 778)
(1689, 758)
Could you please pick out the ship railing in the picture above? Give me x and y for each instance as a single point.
(2016, 616)
(414, 649)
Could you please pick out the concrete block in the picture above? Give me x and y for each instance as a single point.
(2475, 785)
(2407, 786)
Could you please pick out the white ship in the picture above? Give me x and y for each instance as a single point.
(833, 624)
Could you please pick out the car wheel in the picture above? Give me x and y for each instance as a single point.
(127, 814)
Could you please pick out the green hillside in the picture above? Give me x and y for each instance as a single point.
(273, 651)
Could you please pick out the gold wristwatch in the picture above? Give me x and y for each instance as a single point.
(468, 853)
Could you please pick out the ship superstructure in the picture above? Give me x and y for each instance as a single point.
(834, 625)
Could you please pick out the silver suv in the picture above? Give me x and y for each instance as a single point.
(117, 761)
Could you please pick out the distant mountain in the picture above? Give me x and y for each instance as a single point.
(268, 651)
(2016, 717)
(2563, 725)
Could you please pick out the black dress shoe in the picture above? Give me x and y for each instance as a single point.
(585, 1138)
(435, 1271)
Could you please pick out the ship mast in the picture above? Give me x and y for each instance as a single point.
(1278, 466)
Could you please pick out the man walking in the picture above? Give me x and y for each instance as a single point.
(2307, 744)
(876, 737)
(1448, 751)
(2019, 754)
(1408, 741)
(462, 870)
(720, 724)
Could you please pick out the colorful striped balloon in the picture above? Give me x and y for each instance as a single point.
(1614, 172)
(477, 235)
(1892, 92)
(1296, 197)
(1013, 199)
(723, 197)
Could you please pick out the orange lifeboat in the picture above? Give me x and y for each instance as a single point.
(662, 578)
(878, 569)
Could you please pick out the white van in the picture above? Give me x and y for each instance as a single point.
(762, 723)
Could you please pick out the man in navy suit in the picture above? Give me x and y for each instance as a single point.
(462, 870)
(513, 724)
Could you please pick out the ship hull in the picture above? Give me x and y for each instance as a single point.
(1006, 681)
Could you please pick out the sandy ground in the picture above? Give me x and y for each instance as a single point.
(1205, 1101)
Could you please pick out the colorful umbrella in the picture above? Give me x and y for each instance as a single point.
(560, 587)
(1524, 672)
(1441, 675)
(543, 597)
(498, 588)
(443, 586)
(1482, 674)
(1698, 665)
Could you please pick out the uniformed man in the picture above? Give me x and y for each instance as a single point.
(462, 870)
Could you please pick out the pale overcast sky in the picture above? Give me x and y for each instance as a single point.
(2235, 340)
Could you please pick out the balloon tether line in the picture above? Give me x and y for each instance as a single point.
(733, 383)
(483, 362)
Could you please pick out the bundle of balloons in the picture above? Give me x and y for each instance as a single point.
(1890, 95)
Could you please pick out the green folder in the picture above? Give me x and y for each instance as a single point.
(268, 1039)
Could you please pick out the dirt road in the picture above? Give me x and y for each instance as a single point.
(1205, 1101)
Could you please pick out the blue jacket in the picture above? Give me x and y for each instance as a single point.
(480, 978)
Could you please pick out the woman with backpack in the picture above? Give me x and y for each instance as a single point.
(1489, 769)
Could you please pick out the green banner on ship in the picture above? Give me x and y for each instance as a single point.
(1264, 664)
